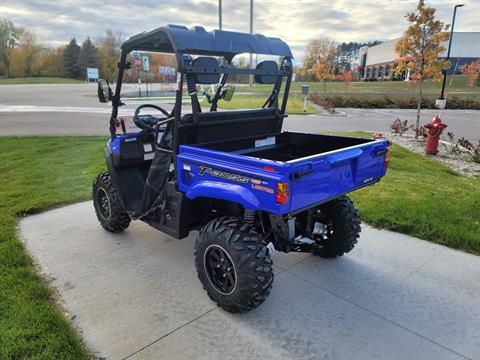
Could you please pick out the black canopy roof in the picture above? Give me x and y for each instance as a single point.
(197, 41)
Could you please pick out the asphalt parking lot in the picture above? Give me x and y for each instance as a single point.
(136, 295)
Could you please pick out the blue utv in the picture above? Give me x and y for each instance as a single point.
(247, 186)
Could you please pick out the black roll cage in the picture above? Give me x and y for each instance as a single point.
(167, 40)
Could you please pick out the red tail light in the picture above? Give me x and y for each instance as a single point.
(387, 159)
(282, 193)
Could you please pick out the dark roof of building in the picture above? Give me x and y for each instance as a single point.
(197, 41)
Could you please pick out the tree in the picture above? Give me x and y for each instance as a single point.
(29, 48)
(346, 77)
(320, 60)
(419, 49)
(88, 57)
(70, 60)
(348, 53)
(49, 62)
(9, 37)
(322, 51)
(471, 72)
(109, 52)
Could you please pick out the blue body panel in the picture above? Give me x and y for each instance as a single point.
(252, 182)
(114, 145)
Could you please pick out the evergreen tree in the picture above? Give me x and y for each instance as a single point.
(88, 57)
(348, 52)
(70, 60)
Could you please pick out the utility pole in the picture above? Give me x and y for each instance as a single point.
(220, 14)
(445, 72)
(250, 77)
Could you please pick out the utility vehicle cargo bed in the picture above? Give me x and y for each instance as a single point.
(286, 146)
(317, 167)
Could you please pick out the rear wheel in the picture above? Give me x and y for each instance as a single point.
(233, 264)
(109, 210)
(336, 227)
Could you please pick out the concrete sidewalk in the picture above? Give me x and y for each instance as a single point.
(136, 295)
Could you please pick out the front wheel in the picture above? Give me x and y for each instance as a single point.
(109, 210)
(233, 264)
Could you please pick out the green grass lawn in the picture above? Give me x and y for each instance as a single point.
(459, 88)
(294, 105)
(426, 199)
(39, 80)
(418, 196)
(38, 173)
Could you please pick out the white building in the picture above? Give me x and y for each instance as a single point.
(377, 62)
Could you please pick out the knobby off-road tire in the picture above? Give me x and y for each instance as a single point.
(231, 247)
(345, 227)
(109, 210)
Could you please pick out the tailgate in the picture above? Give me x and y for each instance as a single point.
(324, 176)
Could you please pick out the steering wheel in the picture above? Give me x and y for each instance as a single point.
(142, 122)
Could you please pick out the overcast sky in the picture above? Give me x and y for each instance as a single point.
(295, 21)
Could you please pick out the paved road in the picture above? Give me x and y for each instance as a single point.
(464, 123)
(136, 295)
(74, 110)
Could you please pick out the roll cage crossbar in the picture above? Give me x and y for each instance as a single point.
(183, 42)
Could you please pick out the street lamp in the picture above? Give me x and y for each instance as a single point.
(250, 77)
(445, 72)
(220, 14)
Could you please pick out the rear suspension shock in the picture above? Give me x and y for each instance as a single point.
(249, 216)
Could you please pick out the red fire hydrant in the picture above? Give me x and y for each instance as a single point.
(435, 129)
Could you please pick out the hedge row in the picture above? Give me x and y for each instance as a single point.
(387, 101)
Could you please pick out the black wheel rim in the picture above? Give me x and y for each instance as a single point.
(220, 269)
(103, 204)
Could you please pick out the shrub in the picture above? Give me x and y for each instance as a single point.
(388, 101)
(422, 131)
(399, 127)
(475, 153)
(464, 145)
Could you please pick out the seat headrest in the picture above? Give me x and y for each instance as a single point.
(205, 63)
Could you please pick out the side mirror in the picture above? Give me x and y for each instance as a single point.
(271, 68)
(227, 93)
(104, 91)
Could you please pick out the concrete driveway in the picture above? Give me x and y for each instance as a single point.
(136, 295)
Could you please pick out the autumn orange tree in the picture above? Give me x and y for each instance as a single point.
(471, 72)
(419, 50)
(320, 60)
(347, 77)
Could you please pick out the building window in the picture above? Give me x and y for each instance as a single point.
(380, 71)
(387, 71)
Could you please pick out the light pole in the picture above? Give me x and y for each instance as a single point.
(445, 72)
(220, 14)
(250, 77)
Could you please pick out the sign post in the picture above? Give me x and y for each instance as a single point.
(138, 65)
(146, 69)
(92, 74)
(305, 93)
(146, 63)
